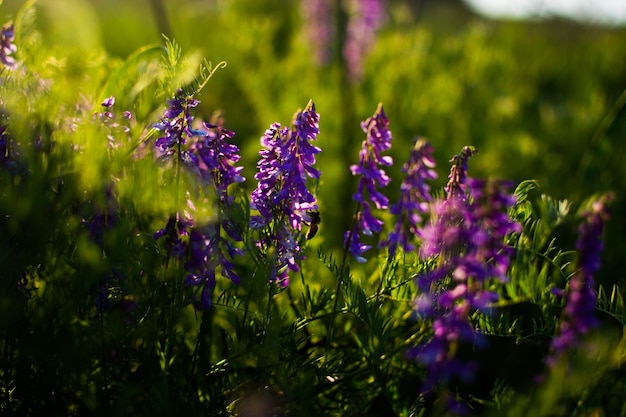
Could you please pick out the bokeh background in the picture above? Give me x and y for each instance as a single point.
(541, 95)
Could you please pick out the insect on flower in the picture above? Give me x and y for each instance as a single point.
(316, 219)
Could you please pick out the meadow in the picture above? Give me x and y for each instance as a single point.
(285, 208)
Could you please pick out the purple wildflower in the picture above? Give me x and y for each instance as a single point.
(446, 232)
(207, 153)
(207, 251)
(208, 248)
(176, 233)
(365, 19)
(414, 196)
(7, 48)
(590, 244)
(468, 237)
(578, 316)
(203, 249)
(320, 27)
(378, 140)
(456, 187)
(108, 102)
(116, 123)
(176, 126)
(281, 197)
(486, 254)
(438, 353)
(217, 158)
(467, 233)
(102, 217)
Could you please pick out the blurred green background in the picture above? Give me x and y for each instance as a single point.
(539, 99)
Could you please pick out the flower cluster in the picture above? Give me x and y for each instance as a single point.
(318, 15)
(202, 248)
(208, 250)
(456, 187)
(371, 176)
(7, 47)
(216, 159)
(176, 233)
(363, 20)
(578, 316)
(414, 197)
(281, 197)
(486, 255)
(206, 152)
(114, 122)
(467, 235)
(176, 129)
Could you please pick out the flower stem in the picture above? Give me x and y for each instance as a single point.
(331, 321)
(199, 342)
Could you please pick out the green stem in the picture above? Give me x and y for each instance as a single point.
(342, 266)
(199, 343)
(270, 297)
(247, 305)
(178, 165)
(386, 267)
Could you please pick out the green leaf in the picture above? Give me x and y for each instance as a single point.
(524, 188)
